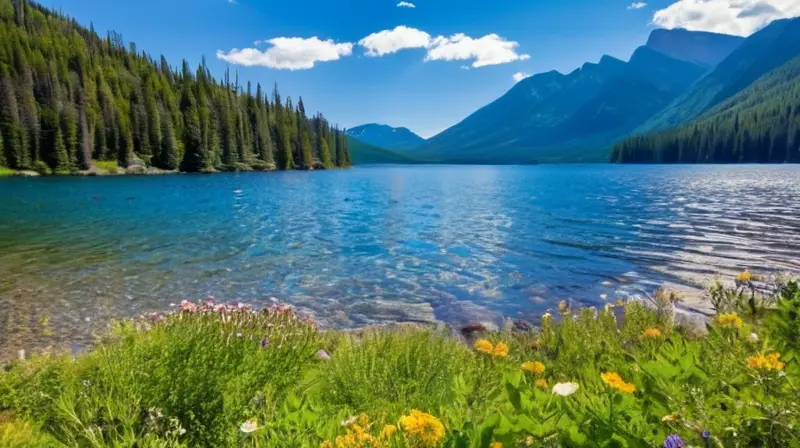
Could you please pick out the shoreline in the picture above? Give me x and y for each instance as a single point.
(214, 374)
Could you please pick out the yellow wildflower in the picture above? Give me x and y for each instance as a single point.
(500, 350)
(615, 381)
(619, 302)
(541, 383)
(496, 445)
(651, 333)
(388, 431)
(534, 367)
(669, 418)
(563, 306)
(768, 362)
(326, 444)
(731, 320)
(484, 346)
(422, 427)
(745, 276)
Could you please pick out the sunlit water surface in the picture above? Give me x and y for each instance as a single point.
(377, 244)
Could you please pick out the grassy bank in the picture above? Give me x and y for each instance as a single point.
(229, 376)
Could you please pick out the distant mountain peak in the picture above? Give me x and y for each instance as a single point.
(385, 136)
(698, 47)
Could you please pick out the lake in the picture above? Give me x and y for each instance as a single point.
(373, 244)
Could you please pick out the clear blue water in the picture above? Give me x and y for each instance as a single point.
(372, 244)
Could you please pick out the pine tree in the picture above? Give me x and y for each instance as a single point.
(169, 158)
(305, 150)
(68, 96)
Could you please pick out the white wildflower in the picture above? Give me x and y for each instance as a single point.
(249, 426)
(565, 389)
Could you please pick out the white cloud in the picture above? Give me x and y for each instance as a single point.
(637, 5)
(289, 53)
(406, 5)
(487, 50)
(740, 17)
(392, 41)
(519, 76)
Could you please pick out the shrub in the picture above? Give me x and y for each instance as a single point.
(394, 370)
(109, 166)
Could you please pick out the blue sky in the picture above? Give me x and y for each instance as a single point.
(452, 56)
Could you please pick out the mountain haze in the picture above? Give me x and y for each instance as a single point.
(362, 153)
(384, 136)
(698, 47)
(765, 50)
(577, 117)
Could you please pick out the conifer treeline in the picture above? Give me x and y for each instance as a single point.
(759, 125)
(68, 97)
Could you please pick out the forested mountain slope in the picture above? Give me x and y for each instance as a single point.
(68, 97)
(759, 124)
(365, 154)
(577, 117)
(760, 53)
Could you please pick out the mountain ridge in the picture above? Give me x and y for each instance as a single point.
(572, 117)
(385, 136)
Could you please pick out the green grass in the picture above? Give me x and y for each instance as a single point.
(193, 377)
(110, 166)
(4, 171)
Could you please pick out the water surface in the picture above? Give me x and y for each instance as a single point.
(374, 244)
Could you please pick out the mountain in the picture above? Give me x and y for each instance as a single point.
(363, 153)
(701, 48)
(760, 53)
(553, 117)
(757, 125)
(384, 136)
(69, 98)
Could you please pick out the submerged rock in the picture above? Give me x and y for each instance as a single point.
(395, 311)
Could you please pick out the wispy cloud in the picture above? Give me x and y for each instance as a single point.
(637, 5)
(406, 5)
(519, 76)
(391, 41)
(487, 50)
(739, 17)
(289, 53)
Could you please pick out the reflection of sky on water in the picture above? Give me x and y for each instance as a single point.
(355, 247)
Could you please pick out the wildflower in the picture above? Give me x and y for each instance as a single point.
(651, 333)
(541, 383)
(565, 389)
(674, 441)
(326, 444)
(426, 428)
(706, 434)
(249, 426)
(619, 302)
(616, 382)
(546, 316)
(484, 346)
(534, 367)
(563, 306)
(496, 445)
(188, 306)
(349, 421)
(768, 362)
(669, 418)
(753, 338)
(500, 350)
(731, 320)
(388, 431)
(745, 276)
